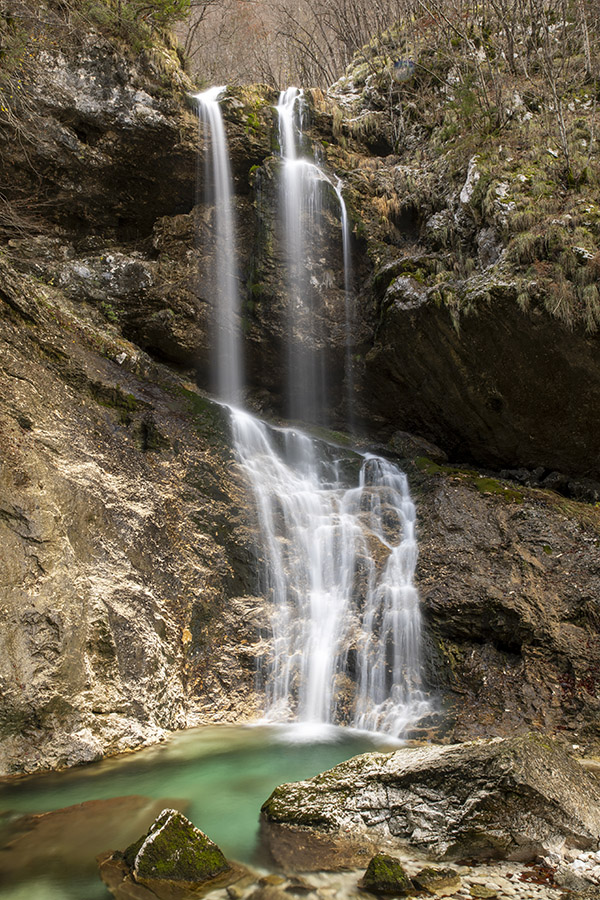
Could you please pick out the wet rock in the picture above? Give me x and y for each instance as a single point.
(299, 887)
(508, 578)
(482, 892)
(511, 799)
(409, 446)
(439, 882)
(385, 875)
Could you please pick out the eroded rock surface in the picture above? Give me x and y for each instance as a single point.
(123, 542)
(511, 799)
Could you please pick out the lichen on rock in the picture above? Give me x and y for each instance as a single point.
(171, 860)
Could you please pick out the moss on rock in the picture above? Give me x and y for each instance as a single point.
(385, 875)
(175, 850)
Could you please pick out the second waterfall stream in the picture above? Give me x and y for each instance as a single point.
(337, 528)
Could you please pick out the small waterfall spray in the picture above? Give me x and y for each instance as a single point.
(301, 203)
(348, 306)
(227, 359)
(338, 561)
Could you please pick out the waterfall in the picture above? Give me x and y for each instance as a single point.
(337, 527)
(227, 358)
(301, 203)
(339, 574)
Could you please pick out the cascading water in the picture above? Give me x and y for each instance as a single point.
(301, 203)
(339, 573)
(338, 560)
(348, 305)
(227, 358)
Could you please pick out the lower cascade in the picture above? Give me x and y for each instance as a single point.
(338, 566)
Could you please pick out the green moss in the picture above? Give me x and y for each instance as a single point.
(454, 656)
(176, 852)
(493, 486)
(484, 484)
(114, 397)
(331, 436)
(385, 875)
(252, 123)
(429, 467)
(210, 419)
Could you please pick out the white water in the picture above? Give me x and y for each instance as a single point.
(348, 306)
(337, 561)
(301, 203)
(227, 358)
(339, 566)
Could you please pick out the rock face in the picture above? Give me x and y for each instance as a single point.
(118, 522)
(128, 567)
(480, 390)
(513, 799)
(119, 503)
(508, 578)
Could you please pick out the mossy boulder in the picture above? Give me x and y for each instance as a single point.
(174, 850)
(385, 875)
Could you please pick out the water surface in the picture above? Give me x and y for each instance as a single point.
(219, 776)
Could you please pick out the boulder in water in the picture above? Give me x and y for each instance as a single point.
(439, 882)
(170, 860)
(507, 799)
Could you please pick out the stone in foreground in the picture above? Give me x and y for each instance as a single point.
(437, 882)
(385, 875)
(505, 799)
(172, 859)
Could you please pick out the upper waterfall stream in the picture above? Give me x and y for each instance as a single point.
(337, 528)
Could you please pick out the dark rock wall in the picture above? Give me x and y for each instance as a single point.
(509, 580)
(503, 388)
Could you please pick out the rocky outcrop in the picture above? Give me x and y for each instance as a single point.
(496, 387)
(126, 542)
(481, 301)
(508, 578)
(512, 799)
